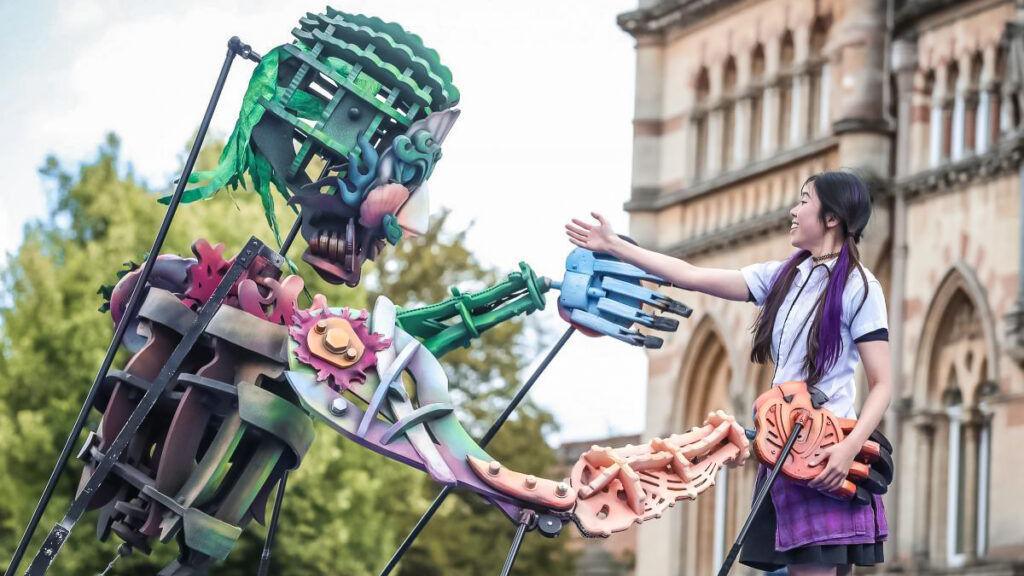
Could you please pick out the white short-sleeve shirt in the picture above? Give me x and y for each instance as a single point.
(793, 323)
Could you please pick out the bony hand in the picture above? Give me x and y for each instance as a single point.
(595, 237)
(840, 456)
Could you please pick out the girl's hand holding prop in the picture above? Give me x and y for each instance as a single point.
(820, 458)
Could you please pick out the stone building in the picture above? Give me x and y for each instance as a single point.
(737, 102)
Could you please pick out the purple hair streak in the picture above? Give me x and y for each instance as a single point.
(830, 342)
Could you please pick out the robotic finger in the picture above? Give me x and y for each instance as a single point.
(604, 296)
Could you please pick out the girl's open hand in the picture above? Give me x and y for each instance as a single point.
(597, 237)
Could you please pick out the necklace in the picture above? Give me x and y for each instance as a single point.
(824, 257)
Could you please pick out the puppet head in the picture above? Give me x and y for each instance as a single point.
(347, 124)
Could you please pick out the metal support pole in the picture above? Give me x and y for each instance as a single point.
(264, 568)
(268, 545)
(527, 520)
(291, 236)
(235, 47)
(759, 501)
(512, 405)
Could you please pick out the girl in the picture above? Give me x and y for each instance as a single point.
(821, 314)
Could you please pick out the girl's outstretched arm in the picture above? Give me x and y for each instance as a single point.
(599, 237)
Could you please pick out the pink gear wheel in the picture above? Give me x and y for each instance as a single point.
(618, 487)
(338, 378)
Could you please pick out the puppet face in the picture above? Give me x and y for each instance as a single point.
(347, 123)
(380, 104)
(371, 199)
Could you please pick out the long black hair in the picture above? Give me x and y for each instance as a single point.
(844, 196)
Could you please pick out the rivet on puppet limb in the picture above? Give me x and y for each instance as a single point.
(228, 372)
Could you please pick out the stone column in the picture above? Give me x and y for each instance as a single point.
(935, 126)
(972, 422)
(904, 64)
(1006, 109)
(922, 483)
(995, 115)
(741, 135)
(770, 120)
(799, 108)
(942, 457)
(958, 122)
(859, 52)
(690, 170)
(972, 104)
(947, 128)
(983, 120)
(713, 154)
(920, 118)
(859, 43)
(972, 101)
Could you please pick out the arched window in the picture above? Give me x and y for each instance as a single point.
(958, 362)
(955, 435)
(987, 120)
(700, 124)
(952, 112)
(817, 83)
(729, 114)
(974, 117)
(934, 119)
(756, 103)
(994, 93)
(1011, 112)
(786, 92)
(705, 381)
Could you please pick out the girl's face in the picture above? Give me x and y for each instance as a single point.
(806, 230)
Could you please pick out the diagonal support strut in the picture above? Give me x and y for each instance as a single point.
(491, 432)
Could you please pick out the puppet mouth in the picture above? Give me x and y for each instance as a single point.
(336, 256)
(337, 253)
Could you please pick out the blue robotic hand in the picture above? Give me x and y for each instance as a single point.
(601, 295)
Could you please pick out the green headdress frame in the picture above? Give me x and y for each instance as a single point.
(346, 76)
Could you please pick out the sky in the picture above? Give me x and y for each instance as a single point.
(545, 132)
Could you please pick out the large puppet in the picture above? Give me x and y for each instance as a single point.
(229, 372)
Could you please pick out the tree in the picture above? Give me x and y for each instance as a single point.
(347, 508)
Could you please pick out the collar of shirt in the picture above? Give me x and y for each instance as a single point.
(805, 267)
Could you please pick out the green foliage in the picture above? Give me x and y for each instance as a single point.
(347, 508)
